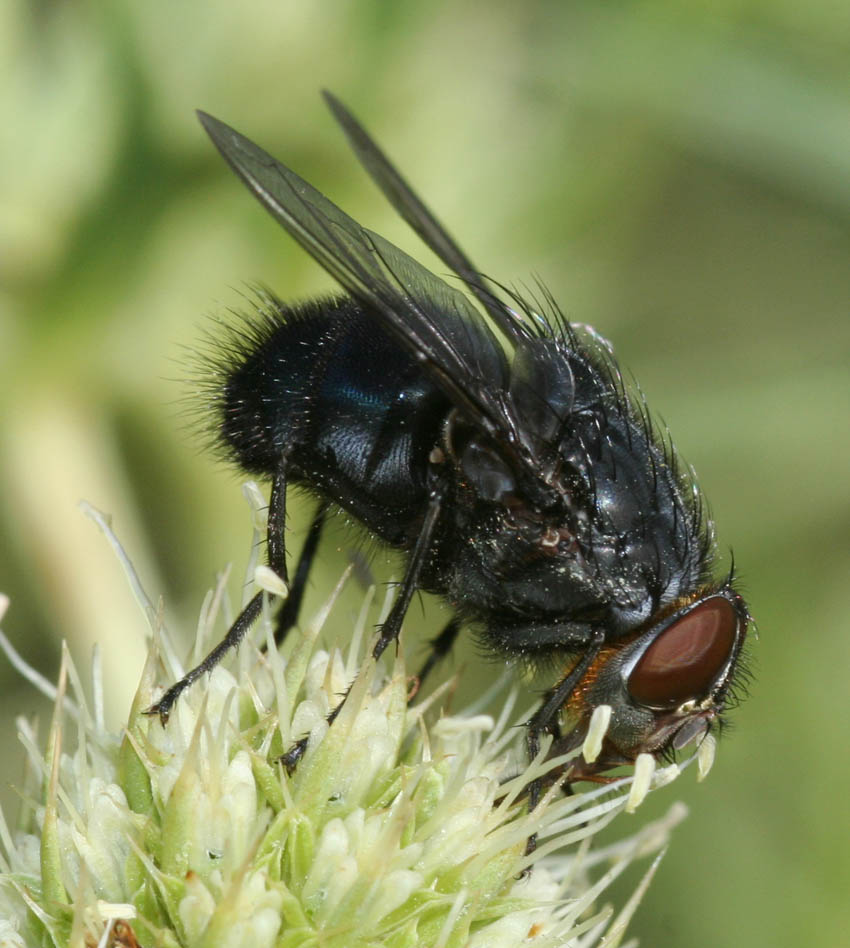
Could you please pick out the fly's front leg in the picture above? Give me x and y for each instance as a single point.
(247, 617)
(546, 717)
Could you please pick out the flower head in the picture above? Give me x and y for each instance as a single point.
(401, 826)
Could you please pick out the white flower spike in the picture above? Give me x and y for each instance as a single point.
(399, 827)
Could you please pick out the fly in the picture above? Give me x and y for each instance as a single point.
(496, 446)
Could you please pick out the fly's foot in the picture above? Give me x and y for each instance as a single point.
(292, 757)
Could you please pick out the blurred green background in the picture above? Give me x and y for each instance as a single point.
(679, 176)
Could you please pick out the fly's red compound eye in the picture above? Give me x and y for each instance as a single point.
(687, 658)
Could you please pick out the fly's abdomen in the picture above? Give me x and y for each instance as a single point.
(320, 386)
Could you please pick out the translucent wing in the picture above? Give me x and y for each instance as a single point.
(435, 323)
(410, 206)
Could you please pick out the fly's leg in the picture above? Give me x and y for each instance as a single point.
(247, 617)
(390, 629)
(291, 758)
(288, 614)
(545, 718)
(440, 647)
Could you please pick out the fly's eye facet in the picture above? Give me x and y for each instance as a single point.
(687, 657)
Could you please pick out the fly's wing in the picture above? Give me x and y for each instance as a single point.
(435, 323)
(409, 205)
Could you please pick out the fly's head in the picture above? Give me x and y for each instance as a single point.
(667, 686)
